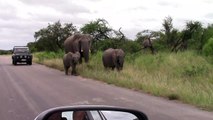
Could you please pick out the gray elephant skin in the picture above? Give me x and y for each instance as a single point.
(71, 60)
(79, 43)
(147, 43)
(113, 58)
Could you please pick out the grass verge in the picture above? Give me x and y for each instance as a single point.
(185, 76)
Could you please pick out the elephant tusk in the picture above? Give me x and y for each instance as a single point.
(82, 50)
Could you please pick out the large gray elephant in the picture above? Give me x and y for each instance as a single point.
(113, 58)
(79, 43)
(71, 60)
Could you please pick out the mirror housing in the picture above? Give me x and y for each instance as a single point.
(64, 109)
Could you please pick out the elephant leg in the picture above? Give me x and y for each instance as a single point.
(66, 70)
(81, 56)
(74, 71)
(113, 67)
(80, 60)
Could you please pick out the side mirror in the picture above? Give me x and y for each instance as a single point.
(88, 112)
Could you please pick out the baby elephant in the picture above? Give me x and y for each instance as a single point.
(113, 58)
(71, 59)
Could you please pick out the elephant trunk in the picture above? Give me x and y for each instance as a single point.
(86, 55)
(85, 51)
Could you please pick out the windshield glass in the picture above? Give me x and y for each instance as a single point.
(21, 50)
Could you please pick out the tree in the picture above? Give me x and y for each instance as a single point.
(104, 36)
(207, 34)
(99, 29)
(208, 47)
(168, 27)
(195, 32)
(32, 46)
(52, 37)
(147, 39)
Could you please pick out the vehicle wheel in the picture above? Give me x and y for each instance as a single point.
(29, 62)
(14, 63)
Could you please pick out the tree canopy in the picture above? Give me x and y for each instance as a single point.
(193, 36)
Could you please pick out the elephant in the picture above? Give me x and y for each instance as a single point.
(147, 43)
(113, 58)
(79, 43)
(71, 60)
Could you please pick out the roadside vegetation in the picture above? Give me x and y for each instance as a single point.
(5, 52)
(181, 68)
(184, 76)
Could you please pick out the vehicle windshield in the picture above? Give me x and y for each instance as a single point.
(21, 50)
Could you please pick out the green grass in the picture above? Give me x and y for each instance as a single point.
(185, 76)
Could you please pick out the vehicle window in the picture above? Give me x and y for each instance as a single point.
(113, 115)
(67, 115)
(95, 115)
(70, 116)
(21, 50)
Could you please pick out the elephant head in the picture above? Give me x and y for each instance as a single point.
(75, 58)
(79, 43)
(84, 46)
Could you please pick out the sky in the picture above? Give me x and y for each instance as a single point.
(20, 19)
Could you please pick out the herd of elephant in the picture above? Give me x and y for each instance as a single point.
(78, 46)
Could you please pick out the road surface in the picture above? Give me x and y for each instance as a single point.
(25, 91)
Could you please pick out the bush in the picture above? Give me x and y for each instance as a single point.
(208, 47)
(127, 45)
(131, 46)
(49, 55)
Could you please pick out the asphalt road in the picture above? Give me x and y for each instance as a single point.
(25, 91)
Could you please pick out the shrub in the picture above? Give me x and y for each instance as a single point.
(208, 47)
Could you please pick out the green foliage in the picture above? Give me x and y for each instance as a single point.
(128, 46)
(52, 37)
(168, 29)
(193, 37)
(192, 70)
(207, 34)
(195, 30)
(208, 47)
(3, 52)
(32, 46)
(99, 29)
(104, 36)
(131, 46)
(48, 55)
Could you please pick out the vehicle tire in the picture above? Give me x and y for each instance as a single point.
(14, 62)
(29, 62)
